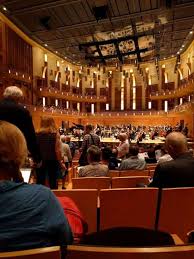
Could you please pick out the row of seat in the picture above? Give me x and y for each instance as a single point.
(119, 173)
(169, 210)
(90, 252)
(109, 182)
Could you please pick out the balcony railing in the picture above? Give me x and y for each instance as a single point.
(70, 96)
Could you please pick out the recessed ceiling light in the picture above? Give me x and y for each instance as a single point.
(178, 52)
(181, 49)
(172, 56)
(4, 8)
(191, 32)
(45, 45)
(56, 51)
(183, 46)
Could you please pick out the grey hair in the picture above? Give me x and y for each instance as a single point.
(13, 92)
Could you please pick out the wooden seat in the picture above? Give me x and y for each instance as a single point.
(91, 252)
(152, 172)
(134, 172)
(91, 183)
(129, 181)
(151, 166)
(114, 173)
(38, 253)
(177, 211)
(135, 207)
(86, 200)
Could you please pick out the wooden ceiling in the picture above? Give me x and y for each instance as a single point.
(159, 26)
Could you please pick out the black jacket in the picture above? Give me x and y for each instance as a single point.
(20, 117)
(175, 173)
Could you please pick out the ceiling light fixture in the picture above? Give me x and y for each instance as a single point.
(191, 32)
(4, 8)
(56, 51)
(183, 46)
(45, 45)
(181, 49)
(178, 52)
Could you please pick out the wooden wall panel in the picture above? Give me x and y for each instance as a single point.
(19, 53)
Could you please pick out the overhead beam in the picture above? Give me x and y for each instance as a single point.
(122, 54)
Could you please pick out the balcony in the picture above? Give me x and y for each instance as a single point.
(70, 96)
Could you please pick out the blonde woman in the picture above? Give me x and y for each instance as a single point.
(31, 216)
(50, 148)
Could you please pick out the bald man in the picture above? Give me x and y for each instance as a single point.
(178, 172)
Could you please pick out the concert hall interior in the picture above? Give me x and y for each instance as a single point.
(121, 71)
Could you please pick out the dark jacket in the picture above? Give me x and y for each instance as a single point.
(31, 217)
(175, 173)
(20, 117)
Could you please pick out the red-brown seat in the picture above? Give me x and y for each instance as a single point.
(92, 252)
(129, 181)
(177, 211)
(91, 183)
(134, 172)
(135, 207)
(38, 253)
(86, 200)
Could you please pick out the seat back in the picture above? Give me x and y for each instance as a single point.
(177, 211)
(91, 183)
(134, 172)
(91, 252)
(114, 173)
(135, 207)
(38, 253)
(86, 201)
(129, 181)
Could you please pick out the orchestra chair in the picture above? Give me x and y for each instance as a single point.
(176, 211)
(129, 181)
(91, 183)
(128, 207)
(134, 172)
(86, 201)
(37, 253)
(101, 252)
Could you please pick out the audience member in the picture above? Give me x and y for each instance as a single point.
(94, 168)
(31, 216)
(49, 141)
(88, 140)
(123, 148)
(72, 145)
(67, 158)
(133, 162)
(109, 158)
(12, 111)
(178, 172)
(164, 156)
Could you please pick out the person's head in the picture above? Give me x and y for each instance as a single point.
(122, 137)
(106, 153)
(88, 129)
(47, 124)
(133, 150)
(13, 93)
(68, 139)
(13, 150)
(93, 154)
(176, 144)
(63, 138)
